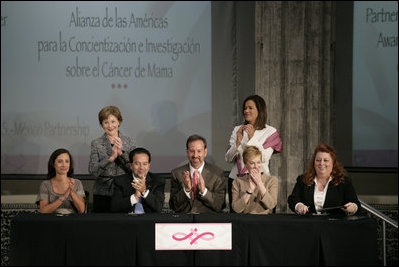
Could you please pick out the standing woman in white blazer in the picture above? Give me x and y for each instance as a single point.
(255, 132)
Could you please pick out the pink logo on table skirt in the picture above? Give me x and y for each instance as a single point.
(193, 236)
(193, 233)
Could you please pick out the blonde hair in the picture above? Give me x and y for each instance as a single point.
(109, 110)
(251, 152)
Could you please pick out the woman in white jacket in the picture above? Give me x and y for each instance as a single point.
(254, 131)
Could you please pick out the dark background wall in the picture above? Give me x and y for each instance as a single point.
(296, 72)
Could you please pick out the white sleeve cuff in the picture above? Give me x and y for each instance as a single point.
(146, 193)
(133, 200)
(188, 194)
(205, 191)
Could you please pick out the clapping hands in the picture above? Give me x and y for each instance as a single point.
(116, 148)
(118, 144)
(187, 181)
(254, 179)
(139, 185)
(188, 185)
(249, 129)
(70, 190)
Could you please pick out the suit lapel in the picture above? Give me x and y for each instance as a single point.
(205, 173)
(148, 181)
(181, 173)
(331, 190)
(310, 194)
(127, 187)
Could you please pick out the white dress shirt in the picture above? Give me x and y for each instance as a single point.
(192, 170)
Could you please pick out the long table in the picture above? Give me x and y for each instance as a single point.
(122, 239)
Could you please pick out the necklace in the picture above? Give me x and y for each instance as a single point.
(323, 185)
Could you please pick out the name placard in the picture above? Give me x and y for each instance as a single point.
(193, 236)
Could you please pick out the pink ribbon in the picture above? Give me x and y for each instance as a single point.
(197, 236)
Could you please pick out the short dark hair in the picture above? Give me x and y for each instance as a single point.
(50, 166)
(195, 137)
(139, 150)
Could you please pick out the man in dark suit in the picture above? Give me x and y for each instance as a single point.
(138, 191)
(197, 187)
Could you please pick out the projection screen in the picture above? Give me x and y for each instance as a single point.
(61, 62)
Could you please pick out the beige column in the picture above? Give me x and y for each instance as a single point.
(294, 64)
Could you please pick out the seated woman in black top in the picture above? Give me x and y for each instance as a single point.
(324, 185)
